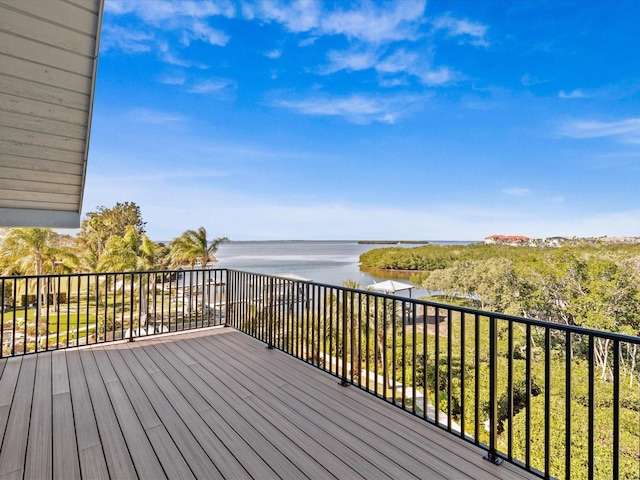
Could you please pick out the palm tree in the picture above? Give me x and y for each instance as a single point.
(28, 251)
(132, 252)
(193, 248)
(25, 250)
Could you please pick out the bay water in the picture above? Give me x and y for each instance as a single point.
(330, 262)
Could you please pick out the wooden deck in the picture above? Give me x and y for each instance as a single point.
(210, 404)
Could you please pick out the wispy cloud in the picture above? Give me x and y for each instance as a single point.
(516, 191)
(273, 54)
(366, 22)
(400, 62)
(465, 31)
(160, 11)
(376, 24)
(215, 86)
(154, 117)
(185, 19)
(125, 39)
(354, 59)
(167, 55)
(627, 130)
(355, 108)
(529, 80)
(173, 79)
(201, 31)
(577, 93)
(295, 16)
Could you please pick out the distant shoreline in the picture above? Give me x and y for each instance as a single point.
(393, 242)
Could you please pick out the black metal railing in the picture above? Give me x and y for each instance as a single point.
(59, 311)
(556, 400)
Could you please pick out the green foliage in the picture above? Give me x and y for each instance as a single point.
(132, 251)
(103, 224)
(192, 247)
(33, 251)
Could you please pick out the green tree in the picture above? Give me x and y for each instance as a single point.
(36, 251)
(99, 226)
(193, 247)
(26, 250)
(491, 284)
(132, 252)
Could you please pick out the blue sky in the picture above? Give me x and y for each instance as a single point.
(437, 120)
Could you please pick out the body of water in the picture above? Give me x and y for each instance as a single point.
(331, 262)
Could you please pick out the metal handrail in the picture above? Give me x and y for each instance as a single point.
(492, 379)
(525, 391)
(51, 312)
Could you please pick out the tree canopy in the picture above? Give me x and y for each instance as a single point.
(99, 226)
(193, 247)
(33, 251)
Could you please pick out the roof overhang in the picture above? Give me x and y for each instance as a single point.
(48, 62)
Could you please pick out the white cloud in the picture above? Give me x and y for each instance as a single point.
(201, 31)
(160, 11)
(296, 16)
(356, 108)
(154, 117)
(627, 130)
(167, 55)
(528, 80)
(577, 93)
(399, 62)
(307, 41)
(273, 54)
(389, 22)
(439, 76)
(125, 39)
(355, 60)
(173, 79)
(188, 19)
(366, 22)
(516, 191)
(464, 30)
(213, 86)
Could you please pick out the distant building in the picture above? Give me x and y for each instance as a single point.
(513, 240)
(555, 241)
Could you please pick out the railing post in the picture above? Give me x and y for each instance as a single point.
(227, 298)
(344, 382)
(493, 392)
(270, 312)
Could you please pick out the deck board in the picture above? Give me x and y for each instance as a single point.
(212, 403)
(199, 462)
(39, 455)
(116, 451)
(339, 430)
(14, 445)
(312, 379)
(93, 463)
(66, 462)
(223, 425)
